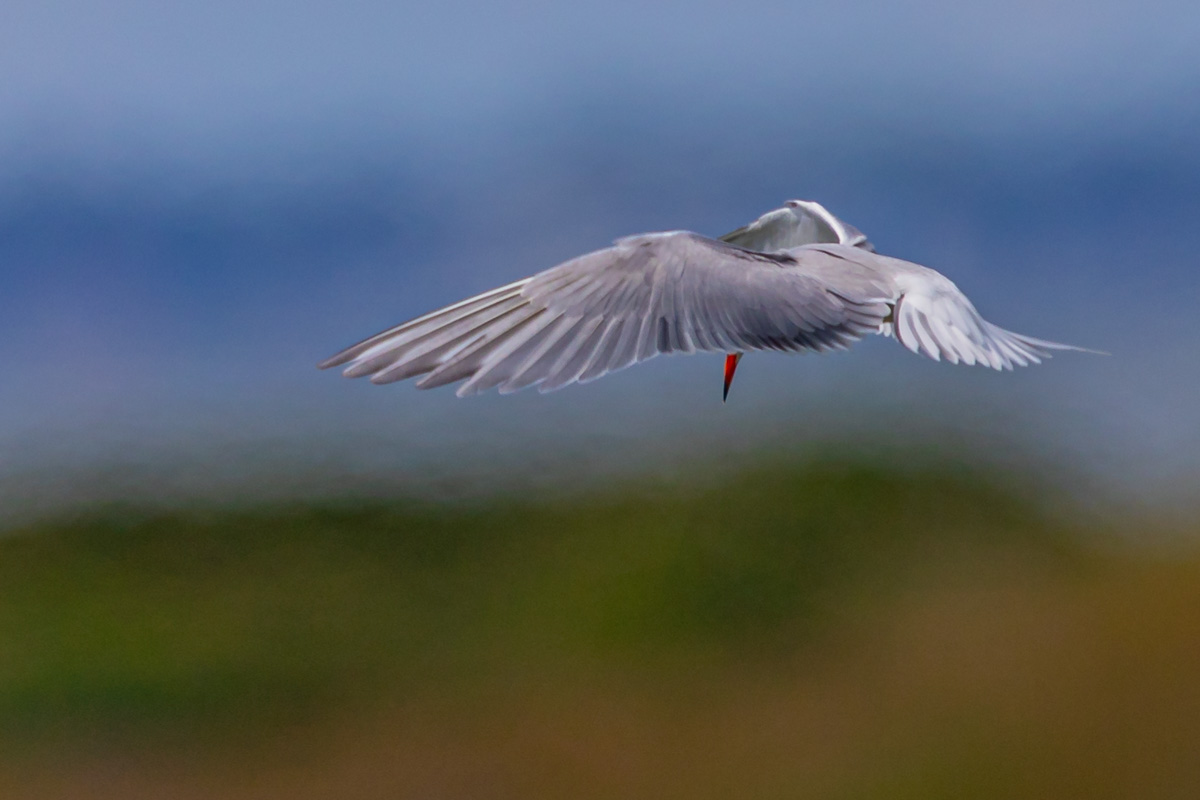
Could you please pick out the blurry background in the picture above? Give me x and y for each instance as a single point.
(228, 574)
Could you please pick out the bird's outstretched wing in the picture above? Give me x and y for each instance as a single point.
(645, 295)
(798, 223)
(932, 317)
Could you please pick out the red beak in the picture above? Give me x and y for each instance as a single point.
(731, 362)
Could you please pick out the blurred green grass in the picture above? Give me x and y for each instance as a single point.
(210, 629)
(121, 617)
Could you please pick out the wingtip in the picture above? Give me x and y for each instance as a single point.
(333, 361)
(1059, 346)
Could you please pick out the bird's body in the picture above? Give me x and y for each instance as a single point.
(797, 279)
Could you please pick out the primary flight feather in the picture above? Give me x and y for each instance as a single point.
(796, 279)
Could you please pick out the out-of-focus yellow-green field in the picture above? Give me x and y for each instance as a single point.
(831, 629)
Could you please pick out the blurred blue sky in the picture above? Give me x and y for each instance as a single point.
(198, 201)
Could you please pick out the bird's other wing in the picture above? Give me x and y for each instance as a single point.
(799, 222)
(932, 317)
(675, 292)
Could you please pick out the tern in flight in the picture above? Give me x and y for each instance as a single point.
(797, 279)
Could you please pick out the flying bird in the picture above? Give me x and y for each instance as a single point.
(797, 279)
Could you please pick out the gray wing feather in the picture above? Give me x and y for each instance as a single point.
(675, 292)
(932, 317)
(798, 223)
